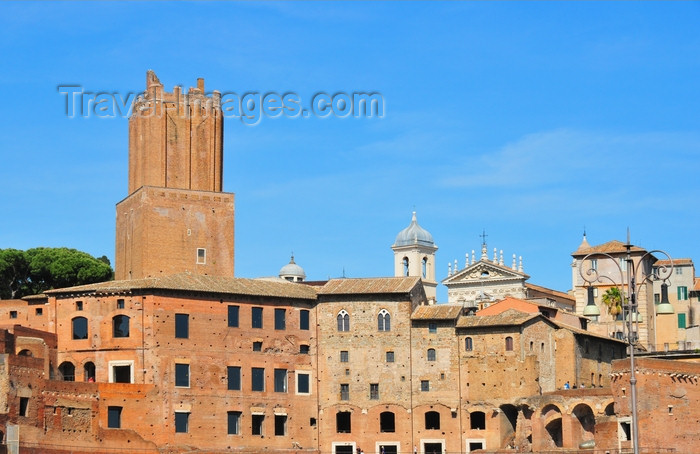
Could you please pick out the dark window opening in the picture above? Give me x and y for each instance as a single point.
(234, 378)
(432, 420)
(509, 344)
(89, 371)
(384, 321)
(182, 375)
(304, 349)
(344, 356)
(23, 406)
(182, 422)
(120, 303)
(257, 317)
(39, 311)
(344, 391)
(234, 422)
(280, 319)
(387, 422)
(182, 326)
(342, 422)
(304, 319)
(425, 385)
(120, 326)
(258, 379)
(280, 425)
(432, 327)
(468, 344)
(67, 371)
(80, 328)
(474, 445)
(257, 424)
(303, 383)
(431, 354)
(233, 316)
(389, 357)
(114, 417)
(280, 380)
(78, 305)
(122, 374)
(257, 346)
(343, 321)
(477, 420)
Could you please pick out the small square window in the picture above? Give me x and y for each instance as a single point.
(120, 303)
(347, 371)
(389, 357)
(13, 314)
(432, 327)
(425, 385)
(39, 311)
(182, 422)
(304, 349)
(114, 417)
(78, 305)
(201, 256)
(257, 346)
(344, 356)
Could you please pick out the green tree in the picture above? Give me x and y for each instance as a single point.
(39, 269)
(612, 298)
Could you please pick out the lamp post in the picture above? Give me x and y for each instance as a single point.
(629, 301)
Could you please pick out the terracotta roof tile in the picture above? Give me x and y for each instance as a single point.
(369, 286)
(511, 317)
(666, 262)
(436, 312)
(199, 283)
(611, 247)
(556, 293)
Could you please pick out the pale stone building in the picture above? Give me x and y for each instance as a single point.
(414, 255)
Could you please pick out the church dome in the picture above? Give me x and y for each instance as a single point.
(414, 234)
(292, 272)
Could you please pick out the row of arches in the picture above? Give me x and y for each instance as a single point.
(67, 372)
(423, 267)
(383, 320)
(120, 327)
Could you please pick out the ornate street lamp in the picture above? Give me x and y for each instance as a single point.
(629, 302)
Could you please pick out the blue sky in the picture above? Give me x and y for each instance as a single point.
(529, 120)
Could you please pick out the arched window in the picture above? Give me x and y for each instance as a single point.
(89, 370)
(424, 267)
(25, 352)
(120, 326)
(387, 422)
(509, 344)
(405, 266)
(343, 321)
(384, 320)
(432, 420)
(80, 328)
(468, 344)
(477, 420)
(67, 371)
(431, 354)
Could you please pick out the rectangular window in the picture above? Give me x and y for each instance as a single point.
(23, 406)
(234, 422)
(304, 349)
(182, 420)
(679, 270)
(257, 424)
(120, 303)
(623, 264)
(374, 391)
(280, 425)
(39, 311)
(78, 305)
(432, 327)
(280, 380)
(114, 417)
(280, 319)
(257, 319)
(344, 391)
(657, 298)
(182, 375)
(233, 316)
(182, 326)
(258, 379)
(681, 320)
(344, 356)
(13, 314)
(257, 346)
(121, 374)
(389, 357)
(594, 264)
(425, 385)
(304, 319)
(234, 378)
(303, 382)
(201, 256)
(682, 293)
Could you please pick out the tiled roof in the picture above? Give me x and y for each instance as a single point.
(697, 284)
(583, 331)
(199, 283)
(507, 318)
(369, 286)
(556, 293)
(611, 247)
(436, 312)
(666, 262)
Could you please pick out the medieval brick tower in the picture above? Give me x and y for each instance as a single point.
(176, 217)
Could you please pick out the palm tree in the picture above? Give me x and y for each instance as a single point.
(613, 301)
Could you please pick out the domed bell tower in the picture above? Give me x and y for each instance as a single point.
(414, 255)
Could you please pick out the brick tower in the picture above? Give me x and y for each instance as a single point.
(176, 217)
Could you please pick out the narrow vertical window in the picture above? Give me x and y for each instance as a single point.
(182, 375)
(233, 316)
(182, 422)
(234, 378)
(120, 303)
(343, 321)
(405, 266)
(257, 317)
(384, 320)
(257, 424)
(280, 425)
(389, 357)
(425, 385)
(431, 354)
(80, 328)
(280, 319)
(468, 344)
(424, 267)
(201, 256)
(374, 391)
(344, 356)
(280, 380)
(304, 319)
(509, 344)
(258, 379)
(303, 383)
(114, 417)
(234, 422)
(344, 391)
(432, 327)
(182, 326)
(23, 406)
